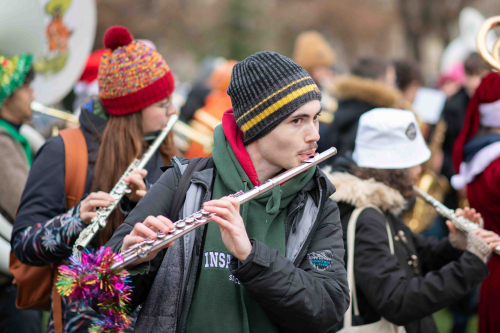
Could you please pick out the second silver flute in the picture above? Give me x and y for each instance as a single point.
(201, 217)
(459, 222)
(119, 190)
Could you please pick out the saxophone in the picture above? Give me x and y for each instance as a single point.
(459, 222)
(202, 217)
(119, 190)
(421, 217)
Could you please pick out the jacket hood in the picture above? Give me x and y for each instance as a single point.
(93, 120)
(322, 177)
(361, 192)
(93, 117)
(368, 91)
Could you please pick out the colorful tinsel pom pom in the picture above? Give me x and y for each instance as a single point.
(91, 279)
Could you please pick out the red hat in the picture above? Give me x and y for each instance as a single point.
(487, 92)
(131, 75)
(92, 66)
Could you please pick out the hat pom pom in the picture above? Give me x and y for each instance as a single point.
(117, 36)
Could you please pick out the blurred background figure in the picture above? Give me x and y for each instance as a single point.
(16, 157)
(454, 115)
(371, 84)
(313, 52)
(452, 80)
(217, 101)
(476, 155)
(86, 86)
(200, 89)
(409, 78)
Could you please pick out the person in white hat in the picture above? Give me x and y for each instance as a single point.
(401, 278)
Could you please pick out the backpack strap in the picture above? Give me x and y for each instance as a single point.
(75, 164)
(196, 164)
(75, 167)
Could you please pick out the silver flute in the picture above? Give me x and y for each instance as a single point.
(459, 222)
(119, 190)
(201, 217)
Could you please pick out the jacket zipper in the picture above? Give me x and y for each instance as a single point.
(181, 325)
(308, 241)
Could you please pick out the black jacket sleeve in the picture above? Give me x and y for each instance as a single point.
(156, 202)
(384, 283)
(300, 298)
(433, 253)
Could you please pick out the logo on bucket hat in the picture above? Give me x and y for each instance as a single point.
(411, 131)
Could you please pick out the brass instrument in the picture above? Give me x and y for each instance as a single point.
(493, 58)
(459, 222)
(40, 108)
(5, 233)
(421, 216)
(190, 133)
(207, 119)
(179, 128)
(202, 217)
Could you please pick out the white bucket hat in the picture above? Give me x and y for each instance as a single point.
(389, 139)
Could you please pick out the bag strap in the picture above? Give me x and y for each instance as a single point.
(196, 164)
(56, 304)
(76, 164)
(351, 233)
(75, 176)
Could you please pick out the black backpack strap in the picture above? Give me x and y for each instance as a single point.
(196, 164)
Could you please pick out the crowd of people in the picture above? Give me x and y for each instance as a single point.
(326, 251)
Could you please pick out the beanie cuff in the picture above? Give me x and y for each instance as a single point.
(138, 100)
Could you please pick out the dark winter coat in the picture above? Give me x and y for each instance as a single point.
(292, 291)
(424, 276)
(356, 96)
(454, 114)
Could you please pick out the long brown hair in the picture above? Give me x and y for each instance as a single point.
(122, 142)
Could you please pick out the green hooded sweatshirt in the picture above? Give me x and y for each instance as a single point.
(220, 302)
(19, 138)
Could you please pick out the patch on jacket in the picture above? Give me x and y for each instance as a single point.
(320, 261)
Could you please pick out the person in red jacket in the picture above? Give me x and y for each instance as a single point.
(476, 157)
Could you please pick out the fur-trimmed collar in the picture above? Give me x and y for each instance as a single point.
(369, 91)
(361, 192)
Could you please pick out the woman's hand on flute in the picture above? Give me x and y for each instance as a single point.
(148, 229)
(136, 185)
(89, 205)
(458, 238)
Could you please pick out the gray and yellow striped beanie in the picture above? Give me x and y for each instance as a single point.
(265, 89)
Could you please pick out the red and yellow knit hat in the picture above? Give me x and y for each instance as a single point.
(131, 75)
